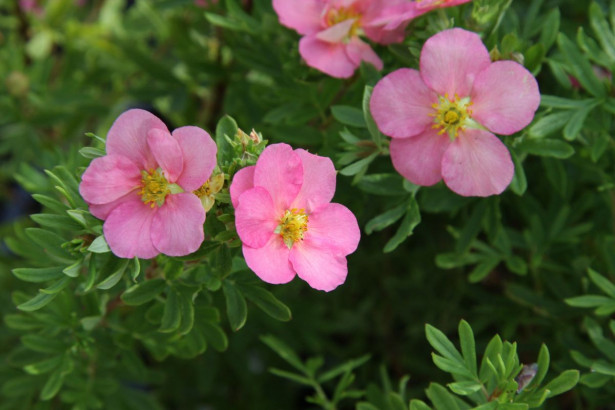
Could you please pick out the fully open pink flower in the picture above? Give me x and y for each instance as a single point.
(332, 30)
(143, 188)
(441, 119)
(393, 16)
(286, 221)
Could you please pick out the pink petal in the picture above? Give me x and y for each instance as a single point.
(419, 158)
(393, 17)
(334, 227)
(318, 181)
(255, 217)
(128, 229)
(242, 181)
(320, 268)
(101, 211)
(167, 153)
(336, 33)
(425, 6)
(329, 58)
(199, 153)
(401, 104)
(505, 97)
(108, 178)
(128, 136)
(451, 60)
(302, 15)
(177, 227)
(358, 51)
(270, 262)
(280, 172)
(477, 163)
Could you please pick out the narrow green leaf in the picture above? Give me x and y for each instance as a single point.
(143, 292)
(236, 308)
(297, 378)
(358, 166)
(52, 386)
(377, 136)
(73, 270)
(588, 300)
(385, 219)
(410, 221)
(550, 123)
(484, 268)
(441, 398)
(416, 404)
(215, 336)
(38, 274)
(112, 280)
(266, 301)
(464, 388)
(519, 182)
(472, 227)
(348, 115)
(547, 148)
(284, 352)
(580, 66)
(171, 318)
(468, 347)
(562, 383)
(99, 245)
(576, 121)
(57, 287)
(603, 283)
(37, 302)
(345, 367)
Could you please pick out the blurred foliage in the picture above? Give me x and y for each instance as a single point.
(83, 329)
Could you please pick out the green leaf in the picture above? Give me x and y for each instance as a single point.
(38, 274)
(266, 301)
(91, 152)
(410, 221)
(472, 227)
(388, 218)
(519, 182)
(143, 292)
(345, 367)
(377, 136)
(215, 336)
(43, 344)
(442, 344)
(550, 123)
(464, 388)
(297, 378)
(602, 30)
(468, 347)
(37, 302)
(99, 245)
(53, 385)
(588, 301)
(547, 148)
(358, 166)
(236, 308)
(284, 352)
(562, 383)
(382, 184)
(44, 366)
(550, 28)
(580, 66)
(59, 222)
(484, 268)
(441, 398)
(416, 404)
(226, 126)
(451, 366)
(603, 283)
(57, 287)
(543, 367)
(112, 280)
(575, 123)
(171, 318)
(348, 115)
(73, 270)
(565, 103)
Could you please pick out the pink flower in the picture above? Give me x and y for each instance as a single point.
(441, 119)
(286, 222)
(205, 3)
(396, 15)
(331, 30)
(143, 188)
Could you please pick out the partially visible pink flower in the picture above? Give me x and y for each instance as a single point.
(144, 187)
(332, 30)
(205, 3)
(400, 14)
(286, 221)
(441, 119)
(31, 6)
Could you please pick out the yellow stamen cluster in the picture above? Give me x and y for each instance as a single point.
(208, 191)
(451, 115)
(336, 16)
(293, 226)
(154, 187)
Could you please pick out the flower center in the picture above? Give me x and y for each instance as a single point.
(336, 16)
(154, 187)
(451, 115)
(293, 226)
